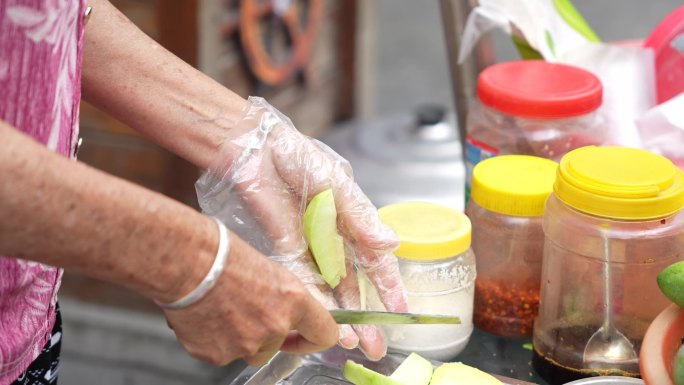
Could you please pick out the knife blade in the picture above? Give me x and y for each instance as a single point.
(280, 366)
(357, 317)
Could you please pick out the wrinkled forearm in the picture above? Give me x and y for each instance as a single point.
(63, 213)
(135, 79)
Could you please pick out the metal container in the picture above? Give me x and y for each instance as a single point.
(325, 368)
(405, 157)
(608, 380)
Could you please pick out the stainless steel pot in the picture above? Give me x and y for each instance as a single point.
(405, 157)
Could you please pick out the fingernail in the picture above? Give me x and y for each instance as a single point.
(348, 338)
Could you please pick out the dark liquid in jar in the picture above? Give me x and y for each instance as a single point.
(565, 363)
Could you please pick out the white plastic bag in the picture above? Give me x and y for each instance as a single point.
(662, 130)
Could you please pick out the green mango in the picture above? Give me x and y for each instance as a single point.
(678, 368)
(671, 282)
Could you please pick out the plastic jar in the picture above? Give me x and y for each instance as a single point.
(532, 107)
(506, 207)
(612, 223)
(438, 269)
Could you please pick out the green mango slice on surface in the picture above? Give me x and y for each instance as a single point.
(671, 282)
(319, 225)
(414, 370)
(457, 373)
(358, 374)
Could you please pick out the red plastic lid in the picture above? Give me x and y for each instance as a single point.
(539, 89)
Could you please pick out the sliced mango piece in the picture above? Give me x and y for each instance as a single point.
(358, 374)
(457, 373)
(325, 243)
(414, 370)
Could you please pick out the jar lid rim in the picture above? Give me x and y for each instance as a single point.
(427, 231)
(539, 89)
(620, 182)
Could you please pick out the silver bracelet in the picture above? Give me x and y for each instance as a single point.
(212, 276)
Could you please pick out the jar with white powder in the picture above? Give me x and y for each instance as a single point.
(438, 270)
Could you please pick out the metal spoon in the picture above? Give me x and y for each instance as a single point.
(608, 348)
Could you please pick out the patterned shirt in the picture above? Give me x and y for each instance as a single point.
(40, 64)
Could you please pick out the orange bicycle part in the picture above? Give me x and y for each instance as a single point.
(302, 37)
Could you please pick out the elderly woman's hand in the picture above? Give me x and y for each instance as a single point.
(256, 308)
(259, 186)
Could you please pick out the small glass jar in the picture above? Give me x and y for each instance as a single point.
(506, 210)
(438, 269)
(612, 223)
(532, 107)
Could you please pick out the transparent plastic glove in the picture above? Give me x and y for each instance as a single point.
(260, 184)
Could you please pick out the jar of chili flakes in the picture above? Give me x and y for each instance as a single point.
(506, 207)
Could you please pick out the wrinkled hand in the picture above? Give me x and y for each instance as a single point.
(260, 185)
(256, 308)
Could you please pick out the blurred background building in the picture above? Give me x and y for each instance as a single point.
(323, 63)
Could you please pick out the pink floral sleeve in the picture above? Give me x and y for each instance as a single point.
(40, 60)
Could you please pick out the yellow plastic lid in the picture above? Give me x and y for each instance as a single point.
(427, 230)
(620, 182)
(516, 185)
